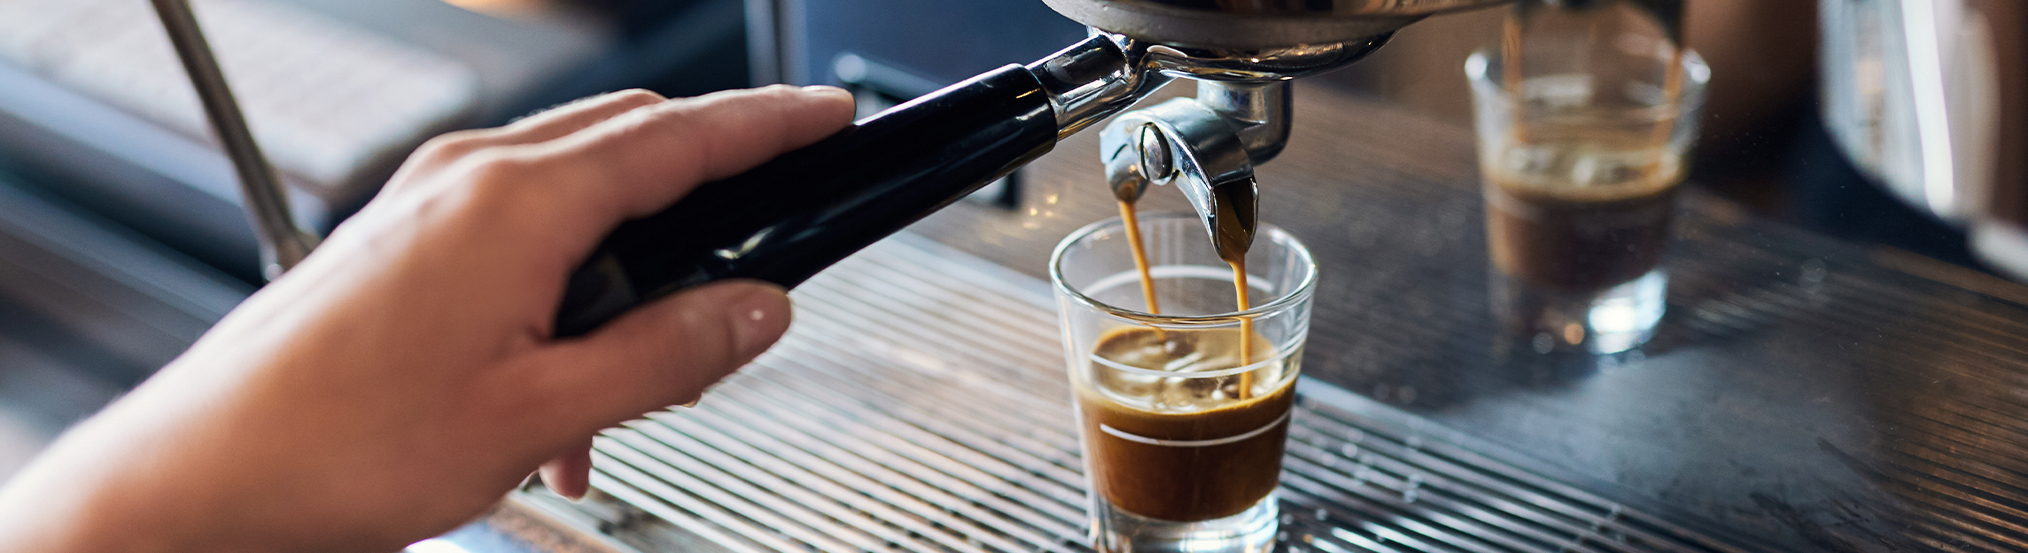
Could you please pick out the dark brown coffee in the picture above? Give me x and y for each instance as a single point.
(1580, 200)
(1238, 214)
(1580, 214)
(1179, 448)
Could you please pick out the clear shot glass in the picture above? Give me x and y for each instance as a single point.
(1585, 121)
(1183, 416)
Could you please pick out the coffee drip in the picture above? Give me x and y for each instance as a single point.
(1233, 236)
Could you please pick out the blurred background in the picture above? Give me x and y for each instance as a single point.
(122, 239)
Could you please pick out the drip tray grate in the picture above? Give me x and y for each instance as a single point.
(919, 404)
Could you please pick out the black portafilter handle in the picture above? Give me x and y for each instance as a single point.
(787, 219)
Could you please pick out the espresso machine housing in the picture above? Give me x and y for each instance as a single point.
(918, 157)
(1930, 99)
(1919, 93)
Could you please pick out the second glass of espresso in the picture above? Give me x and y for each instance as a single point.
(1586, 116)
(1183, 412)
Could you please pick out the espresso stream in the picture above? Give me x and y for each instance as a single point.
(1232, 251)
(1133, 222)
(1181, 448)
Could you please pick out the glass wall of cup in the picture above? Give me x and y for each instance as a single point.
(1183, 413)
(1586, 117)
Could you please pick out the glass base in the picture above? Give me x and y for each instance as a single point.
(1612, 320)
(1251, 531)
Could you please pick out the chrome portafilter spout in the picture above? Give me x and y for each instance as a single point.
(1207, 152)
(1208, 146)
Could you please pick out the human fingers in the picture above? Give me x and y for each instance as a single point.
(570, 474)
(556, 122)
(549, 124)
(642, 161)
(662, 354)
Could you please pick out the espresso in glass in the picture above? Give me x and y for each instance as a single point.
(1183, 414)
(1580, 208)
(1585, 117)
(1177, 428)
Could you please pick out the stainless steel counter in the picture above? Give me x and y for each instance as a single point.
(920, 404)
(1804, 395)
(1823, 395)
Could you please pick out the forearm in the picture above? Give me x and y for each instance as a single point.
(398, 382)
(126, 480)
(75, 499)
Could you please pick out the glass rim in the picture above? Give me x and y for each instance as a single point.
(1302, 290)
(1696, 82)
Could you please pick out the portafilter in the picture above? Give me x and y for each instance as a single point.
(790, 218)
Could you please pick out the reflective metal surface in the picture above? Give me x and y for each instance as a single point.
(1209, 145)
(1930, 99)
(1249, 64)
(1261, 113)
(1803, 395)
(1820, 395)
(1093, 80)
(87, 311)
(1258, 23)
(1201, 152)
(1314, 8)
(1107, 73)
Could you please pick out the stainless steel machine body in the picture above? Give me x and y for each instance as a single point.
(1274, 23)
(1930, 98)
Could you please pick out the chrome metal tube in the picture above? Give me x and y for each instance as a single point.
(267, 203)
(1093, 80)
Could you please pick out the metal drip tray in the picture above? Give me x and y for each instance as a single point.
(919, 404)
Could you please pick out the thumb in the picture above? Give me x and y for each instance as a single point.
(665, 353)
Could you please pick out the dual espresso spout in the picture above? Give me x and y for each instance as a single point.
(1207, 147)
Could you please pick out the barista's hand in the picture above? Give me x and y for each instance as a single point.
(399, 381)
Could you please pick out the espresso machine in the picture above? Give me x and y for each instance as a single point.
(819, 451)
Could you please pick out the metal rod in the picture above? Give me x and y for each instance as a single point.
(267, 203)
